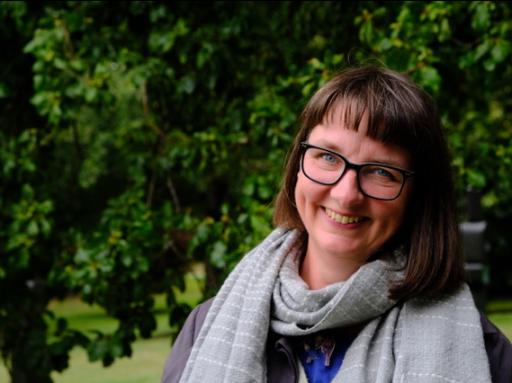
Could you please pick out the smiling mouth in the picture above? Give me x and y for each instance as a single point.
(344, 219)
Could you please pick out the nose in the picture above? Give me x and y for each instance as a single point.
(347, 191)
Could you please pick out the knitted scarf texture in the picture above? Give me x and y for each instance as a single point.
(420, 340)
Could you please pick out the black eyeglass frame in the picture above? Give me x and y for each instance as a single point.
(357, 167)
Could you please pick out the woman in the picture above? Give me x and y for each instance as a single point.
(362, 281)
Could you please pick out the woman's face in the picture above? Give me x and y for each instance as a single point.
(339, 219)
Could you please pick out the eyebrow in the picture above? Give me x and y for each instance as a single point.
(333, 148)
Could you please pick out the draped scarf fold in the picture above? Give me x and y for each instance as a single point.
(417, 341)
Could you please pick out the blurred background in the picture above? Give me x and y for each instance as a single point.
(142, 143)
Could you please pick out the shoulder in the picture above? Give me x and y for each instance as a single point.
(192, 326)
(196, 318)
(497, 347)
(182, 347)
(499, 351)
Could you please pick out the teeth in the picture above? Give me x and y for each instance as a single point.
(342, 218)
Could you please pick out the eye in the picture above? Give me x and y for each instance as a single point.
(323, 159)
(381, 174)
(328, 157)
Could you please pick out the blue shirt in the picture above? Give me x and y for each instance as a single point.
(322, 355)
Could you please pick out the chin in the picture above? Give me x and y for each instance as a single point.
(343, 249)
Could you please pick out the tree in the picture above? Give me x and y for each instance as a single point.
(137, 138)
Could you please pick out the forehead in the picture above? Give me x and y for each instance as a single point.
(376, 118)
(347, 114)
(356, 145)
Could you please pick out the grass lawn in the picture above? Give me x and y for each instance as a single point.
(148, 358)
(504, 322)
(147, 361)
(145, 365)
(500, 313)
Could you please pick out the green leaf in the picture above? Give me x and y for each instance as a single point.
(445, 30)
(366, 32)
(489, 65)
(27, 192)
(430, 77)
(476, 179)
(482, 49)
(501, 50)
(91, 94)
(82, 256)
(4, 90)
(481, 18)
(62, 325)
(163, 41)
(218, 253)
(127, 260)
(186, 85)
(384, 44)
(33, 228)
(489, 200)
(97, 349)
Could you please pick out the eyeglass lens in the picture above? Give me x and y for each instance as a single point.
(376, 181)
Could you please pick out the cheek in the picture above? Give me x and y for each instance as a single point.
(398, 212)
(300, 199)
(399, 220)
(305, 195)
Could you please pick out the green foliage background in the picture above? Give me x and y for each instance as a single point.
(137, 138)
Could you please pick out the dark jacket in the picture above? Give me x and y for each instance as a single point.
(282, 364)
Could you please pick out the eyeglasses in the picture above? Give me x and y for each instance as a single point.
(375, 180)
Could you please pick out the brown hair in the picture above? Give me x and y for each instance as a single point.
(402, 114)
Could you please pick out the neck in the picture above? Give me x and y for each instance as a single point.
(320, 270)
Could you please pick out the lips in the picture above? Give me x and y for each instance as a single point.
(343, 219)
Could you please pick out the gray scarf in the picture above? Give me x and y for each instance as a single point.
(417, 341)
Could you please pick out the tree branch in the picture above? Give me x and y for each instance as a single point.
(174, 195)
